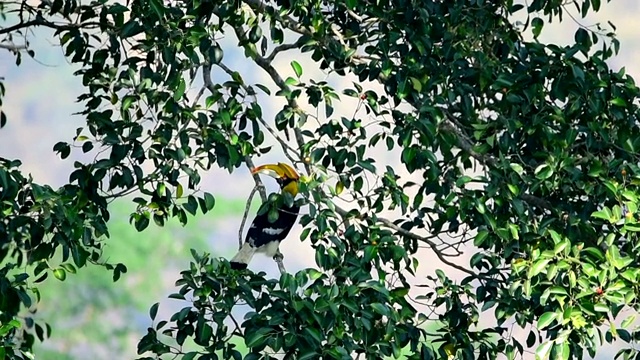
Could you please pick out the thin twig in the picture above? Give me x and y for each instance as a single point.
(256, 179)
(286, 147)
(198, 95)
(237, 325)
(388, 223)
(42, 22)
(244, 217)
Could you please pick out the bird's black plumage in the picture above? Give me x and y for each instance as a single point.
(263, 232)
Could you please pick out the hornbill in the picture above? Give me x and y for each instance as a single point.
(263, 235)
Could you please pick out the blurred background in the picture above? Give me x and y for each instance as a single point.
(93, 318)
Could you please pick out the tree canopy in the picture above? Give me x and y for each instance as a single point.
(510, 162)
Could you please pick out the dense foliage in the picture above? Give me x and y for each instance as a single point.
(520, 173)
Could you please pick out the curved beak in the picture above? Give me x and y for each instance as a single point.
(279, 170)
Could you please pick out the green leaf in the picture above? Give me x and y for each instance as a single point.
(618, 102)
(313, 334)
(546, 319)
(179, 91)
(628, 321)
(153, 311)
(157, 7)
(600, 307)
(417, 85)
(209, 202)
(296, 68)
(142, 222)
(537, 267)
(380, 309)
(216, 54)
(562, 350)
(536, 26)
(604, 214)
(517, 168)
(63, 149)
(191, 205)
(60, 274)
(308, 354)
(543, 172)
(481, 236)
(543, 350)
(463, 180)
(190, 355)
(257, 338)
(273, 215)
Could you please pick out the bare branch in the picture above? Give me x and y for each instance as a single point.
(284, 47)
(13, 47)
(42, 22)
(198, 95)
(244, 216)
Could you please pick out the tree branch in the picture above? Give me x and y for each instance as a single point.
(13, 47)
(42, 22)
(465, 144)
(244, 216)
(389, 224)
(284, 47)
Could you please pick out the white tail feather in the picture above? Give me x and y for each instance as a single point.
(243, 257)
